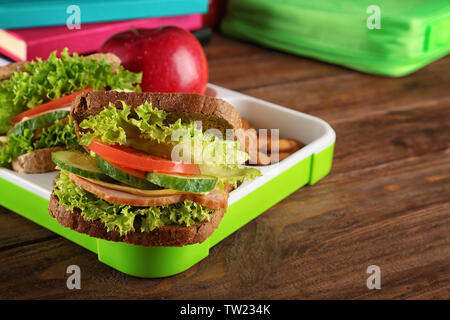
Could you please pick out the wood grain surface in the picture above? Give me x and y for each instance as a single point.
(386, 201)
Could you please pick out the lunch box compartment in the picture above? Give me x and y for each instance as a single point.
(28, 195)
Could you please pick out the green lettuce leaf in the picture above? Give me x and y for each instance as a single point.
(122, 218)
(16, 146)
(60, 134)
(218, 157)
(111, 125)
(56, 77)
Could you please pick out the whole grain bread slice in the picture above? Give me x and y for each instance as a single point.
(8, 70)
(38, 161)
(170, 235)
(214, 113)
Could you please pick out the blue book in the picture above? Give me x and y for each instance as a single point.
(33, 13)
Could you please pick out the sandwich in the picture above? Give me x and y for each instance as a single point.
(156, 170)
(35, 99)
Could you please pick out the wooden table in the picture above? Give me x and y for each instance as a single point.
(386, 201)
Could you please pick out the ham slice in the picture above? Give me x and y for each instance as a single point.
(216, 199)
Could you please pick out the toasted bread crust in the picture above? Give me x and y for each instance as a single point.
(166, 236)
(7, 71)
(38, 161)
(214, 113)
(110, 58)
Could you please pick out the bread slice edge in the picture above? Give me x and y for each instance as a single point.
(166, 236)
(37, 161)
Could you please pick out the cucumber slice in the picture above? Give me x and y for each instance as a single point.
(79, 163)
(39, 122)
(124, 177)
(227, 172)
(182, 183)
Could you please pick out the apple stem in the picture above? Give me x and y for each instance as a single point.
(134, 30)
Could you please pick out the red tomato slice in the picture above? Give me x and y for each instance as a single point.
(134, 159)
(54, 104)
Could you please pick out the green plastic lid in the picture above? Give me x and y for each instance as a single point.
(386, 37)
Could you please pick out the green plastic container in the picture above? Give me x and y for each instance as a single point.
(28, 195)
(386, 37)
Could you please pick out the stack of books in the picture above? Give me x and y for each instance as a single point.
(389, 38)
(30, 29)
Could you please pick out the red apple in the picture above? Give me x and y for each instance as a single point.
(171, 58)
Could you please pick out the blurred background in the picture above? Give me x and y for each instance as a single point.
(391, 38)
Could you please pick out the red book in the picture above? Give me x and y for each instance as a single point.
(27, 44)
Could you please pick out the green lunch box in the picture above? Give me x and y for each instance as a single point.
(29, 194)
(385, 37)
